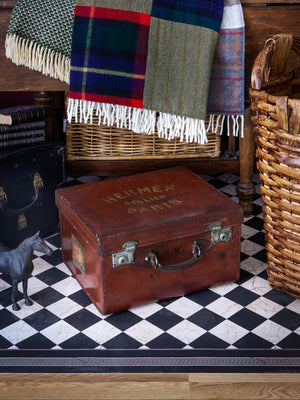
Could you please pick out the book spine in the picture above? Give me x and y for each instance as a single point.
(21, 135)
(28, 126)
(35, 114)
(21, 142)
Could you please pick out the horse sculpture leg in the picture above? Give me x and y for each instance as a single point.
(28, 302)
(15, 305)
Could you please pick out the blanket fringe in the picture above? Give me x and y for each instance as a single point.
(234, 124)
(166, 125)
(25, 52)
(188, 129)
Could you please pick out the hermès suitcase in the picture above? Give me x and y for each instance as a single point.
(148, 237)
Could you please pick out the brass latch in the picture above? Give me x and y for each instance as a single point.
(220, 234)
(3, 196)
(37, 181)
(126, 256)
(22, 222)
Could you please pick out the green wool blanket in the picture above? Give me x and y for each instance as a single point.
(151, 65)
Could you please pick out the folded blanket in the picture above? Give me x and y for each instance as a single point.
(131, 59)
(154, 56)
(226, 92)
(39, 36)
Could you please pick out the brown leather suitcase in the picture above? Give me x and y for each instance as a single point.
(148, 237)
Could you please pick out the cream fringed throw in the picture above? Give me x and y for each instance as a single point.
(39, 36)
(154, 58)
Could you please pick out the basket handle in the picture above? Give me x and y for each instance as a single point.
(271, 62)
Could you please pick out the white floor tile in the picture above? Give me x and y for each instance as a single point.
(228, 331)
(184, 307)
(101, 332)
(25, 311)
(271, 331)
(64, 307)
(59, 332)
(264, 307)
(223, 288)
(17, 332)
(67, 286)
(146, 310)
(224, 307)
(144, 331)
(186, 331)
(253, 265)
(257, 285)
(250, 248)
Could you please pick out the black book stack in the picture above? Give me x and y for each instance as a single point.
(22, 126)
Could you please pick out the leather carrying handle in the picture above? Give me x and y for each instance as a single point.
(13, 212)
(152, 259)
(272, 60)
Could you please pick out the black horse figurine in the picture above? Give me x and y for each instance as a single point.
(18, 264)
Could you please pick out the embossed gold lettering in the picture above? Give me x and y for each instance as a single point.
(156, 207)
(169, 188)
(156, 188)
(131, 210)
(133, 202)
(145, 189)
(115, 197)
(120, 196)
(110, 200)
(144, 209)
(175, 202)
(130, 192)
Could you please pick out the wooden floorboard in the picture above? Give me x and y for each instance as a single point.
(149, 386)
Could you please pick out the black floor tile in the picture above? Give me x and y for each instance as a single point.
(82, 319)
(79, 341)
(166, 341)
(206, 319)
(122, 341)
(41, 319)
(252, 341)
(36, 342)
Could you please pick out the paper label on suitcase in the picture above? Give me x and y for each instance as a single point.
(78, 254)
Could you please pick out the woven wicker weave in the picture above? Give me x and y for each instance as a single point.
(100, 142)
(275, 104)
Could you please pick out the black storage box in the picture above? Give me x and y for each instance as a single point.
(28, 180)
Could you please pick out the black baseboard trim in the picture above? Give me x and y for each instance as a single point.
(150, 361)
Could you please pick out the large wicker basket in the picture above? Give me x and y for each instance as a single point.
(100, 142)
(275, 104)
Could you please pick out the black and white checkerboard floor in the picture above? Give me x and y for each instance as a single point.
(247, 314)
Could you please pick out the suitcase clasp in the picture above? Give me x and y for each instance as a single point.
(3, 196)
(220, 234)
(126, 256)
(37, 181)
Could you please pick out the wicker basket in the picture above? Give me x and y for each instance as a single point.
(99, 142)
(275, 104)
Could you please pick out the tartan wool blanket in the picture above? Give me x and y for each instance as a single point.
(226, 92)
(132, 59)
(143, 65)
